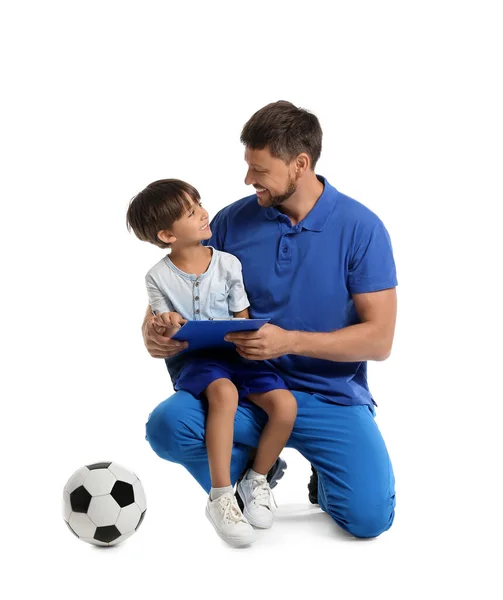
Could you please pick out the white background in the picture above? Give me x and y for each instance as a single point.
(101, 98)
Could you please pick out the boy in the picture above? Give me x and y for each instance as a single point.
(200, 282)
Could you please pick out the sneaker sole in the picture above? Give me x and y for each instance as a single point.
(255, 523)
(235, 543)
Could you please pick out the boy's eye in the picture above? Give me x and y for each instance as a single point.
(191, 213)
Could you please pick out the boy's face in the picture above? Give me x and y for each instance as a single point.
(192, 226)
(274, 180)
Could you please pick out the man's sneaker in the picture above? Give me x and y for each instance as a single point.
(312, 486)
(276, 472)
(258, 501)
(228, 520)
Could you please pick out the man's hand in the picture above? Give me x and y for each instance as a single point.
(267, 342)
(157, 340)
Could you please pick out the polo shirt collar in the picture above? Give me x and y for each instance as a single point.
(317, 217)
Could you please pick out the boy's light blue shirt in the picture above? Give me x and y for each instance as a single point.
(215, 294)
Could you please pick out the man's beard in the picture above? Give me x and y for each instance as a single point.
(290, 190)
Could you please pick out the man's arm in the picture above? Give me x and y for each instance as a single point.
(369, 340)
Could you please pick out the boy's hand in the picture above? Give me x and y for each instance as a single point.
(156, 336)
(173, 320)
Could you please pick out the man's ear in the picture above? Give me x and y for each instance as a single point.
(166, 236)
(302, 163)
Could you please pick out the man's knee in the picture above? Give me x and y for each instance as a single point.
(164, 431)
(365, 520)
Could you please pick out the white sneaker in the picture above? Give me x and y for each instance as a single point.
(228, 520)
(257, 501)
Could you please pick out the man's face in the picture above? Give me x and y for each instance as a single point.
(273, 180)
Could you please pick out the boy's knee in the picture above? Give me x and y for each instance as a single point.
(279, 405)
(222, 394)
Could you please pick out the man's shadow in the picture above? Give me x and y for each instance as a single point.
(313, 518)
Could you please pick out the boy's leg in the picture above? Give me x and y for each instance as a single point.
(222, 398)
(253, 490)
(344, 444)
(281, 408)
(176, 432)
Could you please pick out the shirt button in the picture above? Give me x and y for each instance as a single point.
(197, 283)
(196, 298)
(197, 311)
(285, 249)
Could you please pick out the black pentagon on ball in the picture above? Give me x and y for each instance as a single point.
(80, 499)
(141, 519)
(122, 493)
(102, 465)
(106, 534)
(70, 528)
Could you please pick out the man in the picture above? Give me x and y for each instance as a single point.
(321, 266)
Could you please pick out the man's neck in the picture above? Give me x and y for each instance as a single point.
(298, 206)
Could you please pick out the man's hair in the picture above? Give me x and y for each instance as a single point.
(285, 130)
(157, 207)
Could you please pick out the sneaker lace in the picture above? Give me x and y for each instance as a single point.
(262, 493)
(230, 509)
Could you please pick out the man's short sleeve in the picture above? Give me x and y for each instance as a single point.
(372, 266)
(157, 300)
(238, 300)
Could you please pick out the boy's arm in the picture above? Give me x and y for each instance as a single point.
(238, 300)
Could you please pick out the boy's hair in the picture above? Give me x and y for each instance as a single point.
(286, 131)
(157, 207)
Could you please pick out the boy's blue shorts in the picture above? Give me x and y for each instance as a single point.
(249, 376)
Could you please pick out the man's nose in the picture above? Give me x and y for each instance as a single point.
(248, 179)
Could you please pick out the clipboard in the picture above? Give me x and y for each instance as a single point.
(210, 333)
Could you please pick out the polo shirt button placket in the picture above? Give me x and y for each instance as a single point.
(284, 250)
(197, 307)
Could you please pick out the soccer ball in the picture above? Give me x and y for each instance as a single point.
(103, 503)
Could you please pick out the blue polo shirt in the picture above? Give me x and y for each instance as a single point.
(303, 278)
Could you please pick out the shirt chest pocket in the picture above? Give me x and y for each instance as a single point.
(219, 305)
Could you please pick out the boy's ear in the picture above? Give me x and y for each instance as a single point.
(166, 236)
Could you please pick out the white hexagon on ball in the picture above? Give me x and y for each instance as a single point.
(128, 519)
(99, 482)
(122, 474)
(103, 511)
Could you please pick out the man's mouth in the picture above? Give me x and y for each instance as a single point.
(260, 190)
